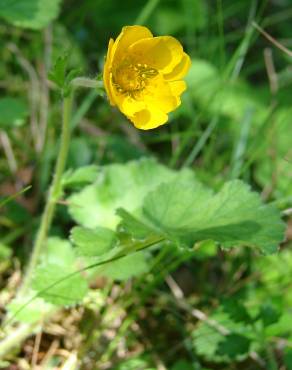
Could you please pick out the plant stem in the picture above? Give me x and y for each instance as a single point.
(53, 196)
(87, 83)
(16, 337)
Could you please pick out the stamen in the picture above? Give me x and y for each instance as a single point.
(131, 79)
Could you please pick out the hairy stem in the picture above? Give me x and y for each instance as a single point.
(53, 196)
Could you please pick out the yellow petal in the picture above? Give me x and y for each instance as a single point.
(162, 53)
(166, 103)
(177, 87)
(107, 74)
(130, 106)
(157, 98)
(158, 95)
(128, 36)
(147, 119)
(116, 51)
(180, 70)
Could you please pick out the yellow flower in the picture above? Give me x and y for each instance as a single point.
(143, 75)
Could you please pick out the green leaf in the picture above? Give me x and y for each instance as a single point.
(73, 73)
(117, 186)
(58, 252)
(132, 225)
(187, 212)
(82, 176)
(206, 340)
(210, 342)
(269, 314)
(275, 270)
(36, 310)
(93, 242)
(47, 282)
(236, 310)
(158, 201)
(60, 76)
(234, 346)
(34, 14)
(283, 325)
(13, 112)
(58, 72)
(57, 264)
(124, 268)
(205, 249)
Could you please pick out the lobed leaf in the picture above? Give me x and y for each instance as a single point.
(36, 310)
(47, 282)
(81, 176)
(93, 242)
(117, 186)
(58, 264)
(123, 269)
(188, 213)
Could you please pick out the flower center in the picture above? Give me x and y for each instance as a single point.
(130, 79)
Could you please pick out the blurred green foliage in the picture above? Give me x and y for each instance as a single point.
(234, 125)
